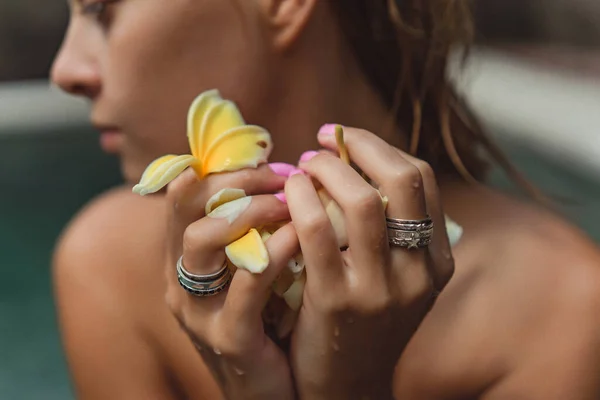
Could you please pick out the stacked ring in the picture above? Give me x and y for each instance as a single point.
(409, 234)
(203, 285)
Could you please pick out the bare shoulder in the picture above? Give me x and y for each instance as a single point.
(519, 317)
(543, 261)
(535, 295)
(119, 336)
(513, 242)
(115, 220)
(106, 255)
(546, 283)
(116, 236)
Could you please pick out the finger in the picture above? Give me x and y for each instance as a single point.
(187, 195)
(362, 208)
(401, 182)
(442, 262)
(396, 177)
(203, 250)
(317, 238)
(204, 240)
(249, 293)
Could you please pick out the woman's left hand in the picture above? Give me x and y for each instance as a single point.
(361, 306)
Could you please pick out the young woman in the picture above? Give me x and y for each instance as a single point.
(517, 313)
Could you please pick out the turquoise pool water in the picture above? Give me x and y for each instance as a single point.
(45, 179)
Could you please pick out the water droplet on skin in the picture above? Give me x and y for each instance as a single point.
(447, 254)
(417, 184)
(335, 346)
(239, 372)
(198, 347)
(336, 331)
(217, 351)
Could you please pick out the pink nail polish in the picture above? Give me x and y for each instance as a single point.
(297, 171)
(308, 155)
(282, 169)
(281, 197)
(327, 130)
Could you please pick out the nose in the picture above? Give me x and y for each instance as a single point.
(75, 68)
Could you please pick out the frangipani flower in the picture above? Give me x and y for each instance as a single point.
(219, 141)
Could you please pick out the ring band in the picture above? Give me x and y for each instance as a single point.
(409, 225)
(200, 278)
(409, 234)
(203, 285)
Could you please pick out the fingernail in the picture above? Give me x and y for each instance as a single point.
(297, 171)
(281, 197)
(327, 130)
(282, 169)
(308, 155)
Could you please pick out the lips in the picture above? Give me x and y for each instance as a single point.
(111, 138)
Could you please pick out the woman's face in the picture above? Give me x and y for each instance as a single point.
(142, 62)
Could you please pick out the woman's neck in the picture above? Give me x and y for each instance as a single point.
(321, 85)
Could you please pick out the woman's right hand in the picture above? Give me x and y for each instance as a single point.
(227, 327)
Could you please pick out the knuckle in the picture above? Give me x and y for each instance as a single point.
(374, 304)
(224, 344)
(406, 176)
(314, 224)
(195, 239)
(334, 305)
(418, 291)
(426, 171)
(366, 202)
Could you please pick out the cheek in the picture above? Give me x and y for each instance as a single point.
(161, 57)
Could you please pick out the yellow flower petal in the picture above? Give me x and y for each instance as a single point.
(221, 197)
(222, 116)
(196, 116)
(231, 210)
(162, 171)
(249, 253)
(243, 147)
(150, 169)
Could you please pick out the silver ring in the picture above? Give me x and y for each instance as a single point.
(203, 285)
(200, 278)
(409, 234)
(409, 225)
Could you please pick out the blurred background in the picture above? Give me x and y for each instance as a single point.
(533, 78)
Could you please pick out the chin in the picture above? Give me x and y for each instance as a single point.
(131, 172)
